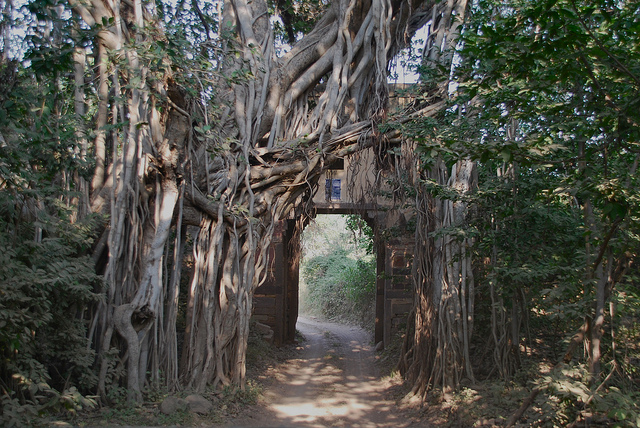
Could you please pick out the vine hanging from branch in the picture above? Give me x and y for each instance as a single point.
(282, 121)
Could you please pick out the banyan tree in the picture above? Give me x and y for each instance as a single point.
(228, 150)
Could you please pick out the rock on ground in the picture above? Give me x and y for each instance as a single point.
(172, 404)
(199, 404)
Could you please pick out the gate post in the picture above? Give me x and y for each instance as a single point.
(275, 302)
(398, 295)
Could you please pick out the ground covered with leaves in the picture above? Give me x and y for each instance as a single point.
(228, 403)
(562, 400)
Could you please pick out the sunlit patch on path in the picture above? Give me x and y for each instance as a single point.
(334, 382)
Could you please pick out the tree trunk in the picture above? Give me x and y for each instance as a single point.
(263, 157)
(443, 276)
(350, 45)
(101, 120)
(444, 286)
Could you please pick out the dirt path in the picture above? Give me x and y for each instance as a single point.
(334, 382)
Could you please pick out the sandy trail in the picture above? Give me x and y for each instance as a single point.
(334, 382)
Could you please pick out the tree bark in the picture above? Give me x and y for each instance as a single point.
(443, 281)
(101, 120)
(443, 276)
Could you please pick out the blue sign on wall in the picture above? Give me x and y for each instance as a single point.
(335, 190)
(332, 189)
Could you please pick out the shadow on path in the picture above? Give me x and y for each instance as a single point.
(334, 382)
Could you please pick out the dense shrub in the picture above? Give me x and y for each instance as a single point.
(45, 289)
(47, 279)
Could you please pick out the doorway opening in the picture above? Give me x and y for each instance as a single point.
(276, 302)
(338, 270)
